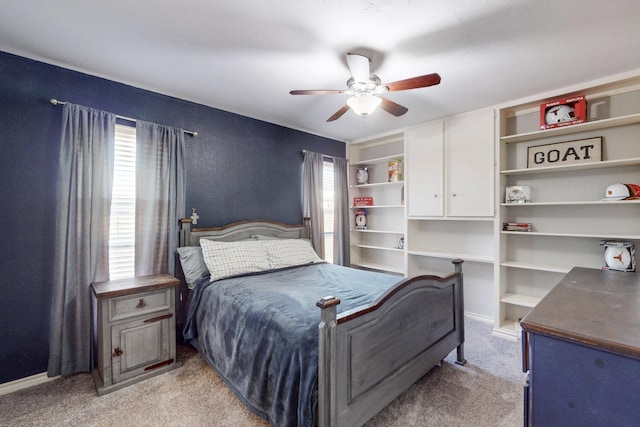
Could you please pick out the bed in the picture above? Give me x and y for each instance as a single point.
(311, 343)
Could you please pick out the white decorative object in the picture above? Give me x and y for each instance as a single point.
(619, 255)
(518, 194)
(362, 176)
(361, 219)
(194, 216)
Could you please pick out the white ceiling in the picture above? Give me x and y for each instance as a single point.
(244, 56)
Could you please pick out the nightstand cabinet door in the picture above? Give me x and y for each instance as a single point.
(142, 344)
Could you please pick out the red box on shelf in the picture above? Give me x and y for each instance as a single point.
(563, 112)
(363, 201)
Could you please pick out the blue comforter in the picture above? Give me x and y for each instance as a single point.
(260, 333)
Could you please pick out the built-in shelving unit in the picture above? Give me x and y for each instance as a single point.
(568, 217)
(450, 202)
(378, 246)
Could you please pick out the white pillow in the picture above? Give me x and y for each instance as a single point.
(290, 252)
(227, 259)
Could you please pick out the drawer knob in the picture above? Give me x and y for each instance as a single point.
(117, 352)
(141, 303)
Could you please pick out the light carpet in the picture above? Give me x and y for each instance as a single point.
(487, 391)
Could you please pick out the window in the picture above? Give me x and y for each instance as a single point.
(122, 237)
(328, 204)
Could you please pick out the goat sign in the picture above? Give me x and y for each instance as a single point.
(565, 153)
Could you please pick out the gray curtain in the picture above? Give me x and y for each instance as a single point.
(312, 198)
(341, 253)
(160, 196)
(82, 233)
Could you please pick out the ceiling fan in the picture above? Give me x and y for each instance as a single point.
(366, 89)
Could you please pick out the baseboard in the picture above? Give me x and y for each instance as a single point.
(26, 382)
(479, 317)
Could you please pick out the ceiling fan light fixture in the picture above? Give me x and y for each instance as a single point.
(366, 91)
(363, 105)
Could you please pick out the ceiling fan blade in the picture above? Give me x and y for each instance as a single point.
(338, 113)
(316, 92)
(359, 67)
(392, 107)
(414, 82)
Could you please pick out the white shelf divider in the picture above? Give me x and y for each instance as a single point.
(575, 167)
(378, 160)
(576, 235)
(453, 255)
(566, 130)
(379, 231)
(521, 300)
(380, 248)
(537, 266)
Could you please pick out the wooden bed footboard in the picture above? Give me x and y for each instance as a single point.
(369, 356)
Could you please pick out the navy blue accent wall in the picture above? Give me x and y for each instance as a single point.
(238, 168)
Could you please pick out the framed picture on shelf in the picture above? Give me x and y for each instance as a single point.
(565, 153)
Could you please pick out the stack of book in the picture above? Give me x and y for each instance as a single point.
(517, 226)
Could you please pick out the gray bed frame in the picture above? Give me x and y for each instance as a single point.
(370, 355)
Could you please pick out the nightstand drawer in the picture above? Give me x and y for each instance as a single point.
(128, 306)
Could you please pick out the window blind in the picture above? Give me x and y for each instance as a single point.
(328, 204)
(123, 205)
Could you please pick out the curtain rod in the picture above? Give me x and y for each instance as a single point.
(323, 155)
(57, 102)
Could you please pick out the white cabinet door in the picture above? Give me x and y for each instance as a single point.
(469, 164)
(424, 170)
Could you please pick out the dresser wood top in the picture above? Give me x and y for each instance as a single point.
(114, 288)
(599, 308)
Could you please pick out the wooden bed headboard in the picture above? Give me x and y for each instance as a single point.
(241, 230)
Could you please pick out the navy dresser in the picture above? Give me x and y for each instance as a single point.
(581, 349)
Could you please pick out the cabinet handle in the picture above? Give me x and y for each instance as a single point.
(454, 194)
(159, 365)
(435, 195)
(141, 303)
(117, 352)
(159, 318)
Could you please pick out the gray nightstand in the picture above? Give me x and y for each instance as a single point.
(134, 330)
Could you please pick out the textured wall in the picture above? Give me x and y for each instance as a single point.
(239, 168)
